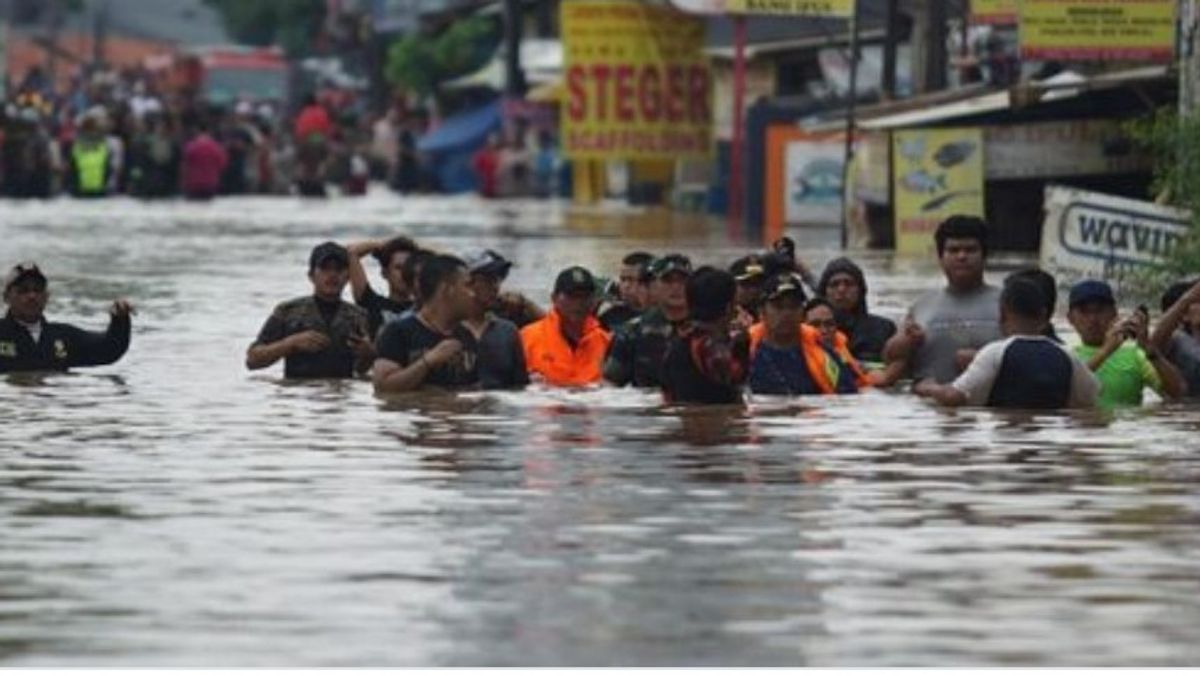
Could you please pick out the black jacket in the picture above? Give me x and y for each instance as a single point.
(61, 346)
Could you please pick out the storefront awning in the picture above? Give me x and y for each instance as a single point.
(911, 113)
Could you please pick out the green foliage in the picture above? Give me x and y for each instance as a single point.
(420, 63)
(1174, 142)
(411, 64)
(291, 24)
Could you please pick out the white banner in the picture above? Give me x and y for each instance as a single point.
(1088, 234)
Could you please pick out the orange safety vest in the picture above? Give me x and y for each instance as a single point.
(820, 365)
(548, 354)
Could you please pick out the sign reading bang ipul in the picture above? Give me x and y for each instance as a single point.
(637, 82)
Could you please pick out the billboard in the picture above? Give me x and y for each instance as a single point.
(936, 173)
(638, 85)
(1094, 235)
(1098, 30)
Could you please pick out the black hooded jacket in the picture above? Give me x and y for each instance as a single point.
(867, 332)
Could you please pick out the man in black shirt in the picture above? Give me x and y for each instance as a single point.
(498, 341)
(391, 255)
(317, 336)
(30, 343)
(431, 347)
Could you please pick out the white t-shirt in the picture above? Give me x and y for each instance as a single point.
(34, 329)
(980, 378)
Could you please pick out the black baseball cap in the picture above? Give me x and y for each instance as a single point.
(575, 280)
(668, 264)
(748, 269)
(1090, 291)
(330, 250)
(21, 272)
(785, 284)
(490, 264)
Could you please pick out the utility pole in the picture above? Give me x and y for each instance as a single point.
(890, 47)
(545, 18)
(1189, 59)
(514, 86)
(929, 46)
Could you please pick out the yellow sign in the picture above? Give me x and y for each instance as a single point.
(996, 12)
(841, 8)
(1093, 30)
(936, 173)
(638, 84)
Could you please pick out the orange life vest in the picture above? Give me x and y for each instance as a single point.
(821, 367)
(548, 354)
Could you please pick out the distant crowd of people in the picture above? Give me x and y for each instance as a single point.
(705, 335)
(118, 133)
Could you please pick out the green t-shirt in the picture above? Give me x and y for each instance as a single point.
(1124, 376)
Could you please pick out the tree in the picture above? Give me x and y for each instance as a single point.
(420, 63)
(291, 24)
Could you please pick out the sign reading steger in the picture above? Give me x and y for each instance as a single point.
(638, 84)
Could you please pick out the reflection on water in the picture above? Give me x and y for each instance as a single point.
(173, 509)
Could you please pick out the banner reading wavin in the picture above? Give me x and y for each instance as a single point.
(637, 82)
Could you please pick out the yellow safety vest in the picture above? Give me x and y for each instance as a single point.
(91, 164)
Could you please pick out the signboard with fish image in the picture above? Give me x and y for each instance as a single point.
(814, 175)
(1094, 235)
(936, 173)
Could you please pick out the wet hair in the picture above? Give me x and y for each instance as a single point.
(392, 247)
(962, 227)
(1175, 292)
(642, 261)
(436, 271)
(710, 292)
(1024, 298)
(817, 302)
(415, 260)
(1045, 282)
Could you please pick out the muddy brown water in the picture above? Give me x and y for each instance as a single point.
(174, 509)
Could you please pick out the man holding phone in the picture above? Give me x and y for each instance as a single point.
(1118, 349)
(320, 335)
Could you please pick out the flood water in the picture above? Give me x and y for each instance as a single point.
(174, 509)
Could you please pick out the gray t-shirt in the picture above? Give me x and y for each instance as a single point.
(1184, 352)
(953, 321)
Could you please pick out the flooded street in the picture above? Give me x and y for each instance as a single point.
(174, 509)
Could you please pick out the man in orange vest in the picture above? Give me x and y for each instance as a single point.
(567, 347)
(790, 358)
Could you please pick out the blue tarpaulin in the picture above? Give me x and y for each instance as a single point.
(451, 146)
(466, 131)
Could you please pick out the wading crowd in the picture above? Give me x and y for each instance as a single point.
(700, 334)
